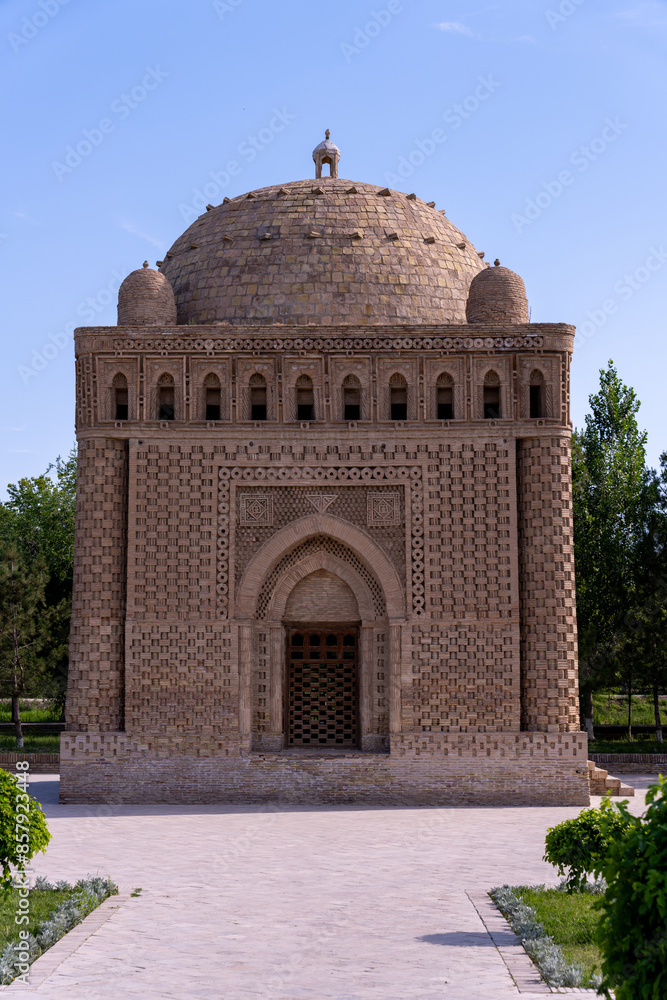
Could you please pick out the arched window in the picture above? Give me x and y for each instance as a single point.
(536, 391)
(351, 398)
(165, 397)
(444, 397)
(491, 396)
(398, 397)
(305, 398)
(258, 406)
(212, 397)
(121, 405)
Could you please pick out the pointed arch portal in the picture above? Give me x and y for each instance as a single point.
(320, 607)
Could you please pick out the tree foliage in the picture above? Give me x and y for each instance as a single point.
(632, 933)
(579, 847)
(23, 829)
(37, 528)
(22, 622)
(617, 506)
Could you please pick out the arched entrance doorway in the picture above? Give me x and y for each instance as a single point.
(321, 623)
(260, 605)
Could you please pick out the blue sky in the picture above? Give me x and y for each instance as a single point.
(550, 154)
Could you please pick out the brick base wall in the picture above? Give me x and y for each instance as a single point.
(631, 763)
(40, 763)
(421, 769)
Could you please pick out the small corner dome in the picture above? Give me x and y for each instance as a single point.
(497, 296)
(146, 298)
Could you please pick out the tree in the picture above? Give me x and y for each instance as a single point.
(23, 829)
(614, 497)
(632, 932)
(22, 608)
(38, 522)
(645, 638)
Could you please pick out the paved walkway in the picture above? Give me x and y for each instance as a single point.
(296, 903)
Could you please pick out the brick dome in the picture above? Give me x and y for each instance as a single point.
(325, 251)
(145, 298)
(497, 295)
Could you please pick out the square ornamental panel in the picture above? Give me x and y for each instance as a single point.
(256, 510)
(383, 509)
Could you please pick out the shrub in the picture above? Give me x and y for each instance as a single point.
(579, 847)
(23, 829)
(632, 933)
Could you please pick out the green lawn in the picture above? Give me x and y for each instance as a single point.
(49, 743)
(33, 741)
(612, 709)
(42, 904)
(571, 921)
(29, 713)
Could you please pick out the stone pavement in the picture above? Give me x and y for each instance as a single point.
(290, 903)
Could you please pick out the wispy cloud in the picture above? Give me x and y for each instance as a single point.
(456, 27)
(129, 227)
(650, 14)
(24, 217)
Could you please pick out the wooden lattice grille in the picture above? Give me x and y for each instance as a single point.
(322, 687)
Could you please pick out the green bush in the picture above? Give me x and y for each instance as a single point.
(23, 829)
(632, 933)
(579, 847)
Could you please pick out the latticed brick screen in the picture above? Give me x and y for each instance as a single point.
(175, 545)
(546, 579)
(95, 691)
(291, 502)
(309, 547)
(180, 681)
(465, 678)
(322, 689)
(469, 531)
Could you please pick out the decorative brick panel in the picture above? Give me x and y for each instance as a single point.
(549, 675)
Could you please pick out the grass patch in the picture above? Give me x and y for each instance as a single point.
(53, 910)
(627, 746)
(571, 920)
(42, 904)
(33, 743)
(30, 712)
(612, 709)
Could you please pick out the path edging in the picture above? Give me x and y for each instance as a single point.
(48, 962)
(517, 960)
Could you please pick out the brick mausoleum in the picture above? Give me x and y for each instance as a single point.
(324, 521)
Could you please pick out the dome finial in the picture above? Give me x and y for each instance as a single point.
(326, 152)
(145, 263)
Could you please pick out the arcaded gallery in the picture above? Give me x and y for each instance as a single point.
(324, 520)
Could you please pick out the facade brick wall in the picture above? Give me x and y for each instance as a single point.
(446, 542)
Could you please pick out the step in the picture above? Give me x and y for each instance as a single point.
(603, 783)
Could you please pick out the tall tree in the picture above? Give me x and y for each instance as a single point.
(614, 498)
(37, 521)
(21, 627)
